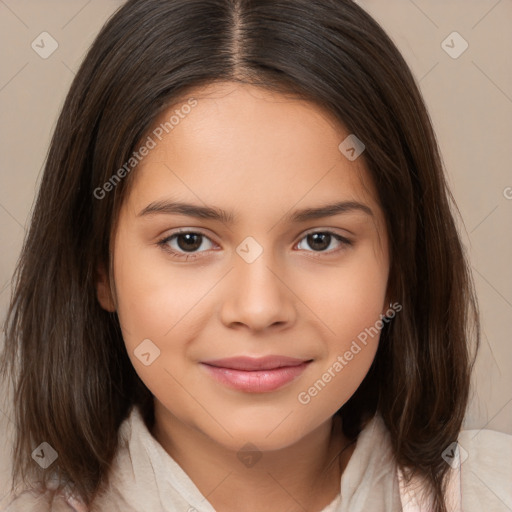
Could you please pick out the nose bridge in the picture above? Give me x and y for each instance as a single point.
(259, 297)
(258, 275)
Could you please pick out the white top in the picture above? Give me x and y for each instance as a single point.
(145, 478)
(153, 481)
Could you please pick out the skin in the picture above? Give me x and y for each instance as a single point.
(261, 156)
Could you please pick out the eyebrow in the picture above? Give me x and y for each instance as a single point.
(218, 214)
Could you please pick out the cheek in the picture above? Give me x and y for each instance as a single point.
(152, 296)
(349, 303)
(155, 302)
(346, 299)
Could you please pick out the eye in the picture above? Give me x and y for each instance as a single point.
(183, 244)
(319, 241)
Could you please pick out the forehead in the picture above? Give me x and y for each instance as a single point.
(244, 146)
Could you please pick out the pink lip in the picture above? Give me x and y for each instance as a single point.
(256, 375)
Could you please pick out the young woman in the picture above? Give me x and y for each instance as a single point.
(243, 288)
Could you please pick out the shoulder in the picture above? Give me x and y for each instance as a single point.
(486, 469)
(31, 501)
(37, 499)
(486, 446)
(480, 477)
(51, 500)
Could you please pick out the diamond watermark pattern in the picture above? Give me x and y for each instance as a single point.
(351, 147)
(146, 352)
(249, 455)
(249, 250)
(450, 455)
(44, 455)
(454, 45)
(44, 45)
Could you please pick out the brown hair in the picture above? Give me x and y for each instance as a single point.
(73, 381)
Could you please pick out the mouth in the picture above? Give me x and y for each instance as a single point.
(256, 375)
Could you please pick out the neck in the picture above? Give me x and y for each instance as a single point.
(303, 476)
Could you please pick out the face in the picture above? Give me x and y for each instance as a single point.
(264, 279)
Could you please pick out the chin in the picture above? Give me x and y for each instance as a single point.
(266, 436)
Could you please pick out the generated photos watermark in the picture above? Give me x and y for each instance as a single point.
(150, 143)
(305, 397)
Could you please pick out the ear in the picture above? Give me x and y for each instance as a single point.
(387, 303)
(103, 291)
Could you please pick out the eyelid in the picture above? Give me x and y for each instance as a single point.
(332, 231)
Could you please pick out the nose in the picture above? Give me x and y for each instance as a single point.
(257, 296)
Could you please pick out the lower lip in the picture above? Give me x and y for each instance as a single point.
(259, 381)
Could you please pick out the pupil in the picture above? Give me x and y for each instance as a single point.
(323, 239)
(190, 243)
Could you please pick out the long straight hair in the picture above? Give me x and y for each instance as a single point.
(73, 381)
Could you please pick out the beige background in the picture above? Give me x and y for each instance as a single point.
(470, 102)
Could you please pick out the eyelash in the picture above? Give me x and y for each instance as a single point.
(164, 244)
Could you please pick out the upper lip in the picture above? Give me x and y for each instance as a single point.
(256, 363)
